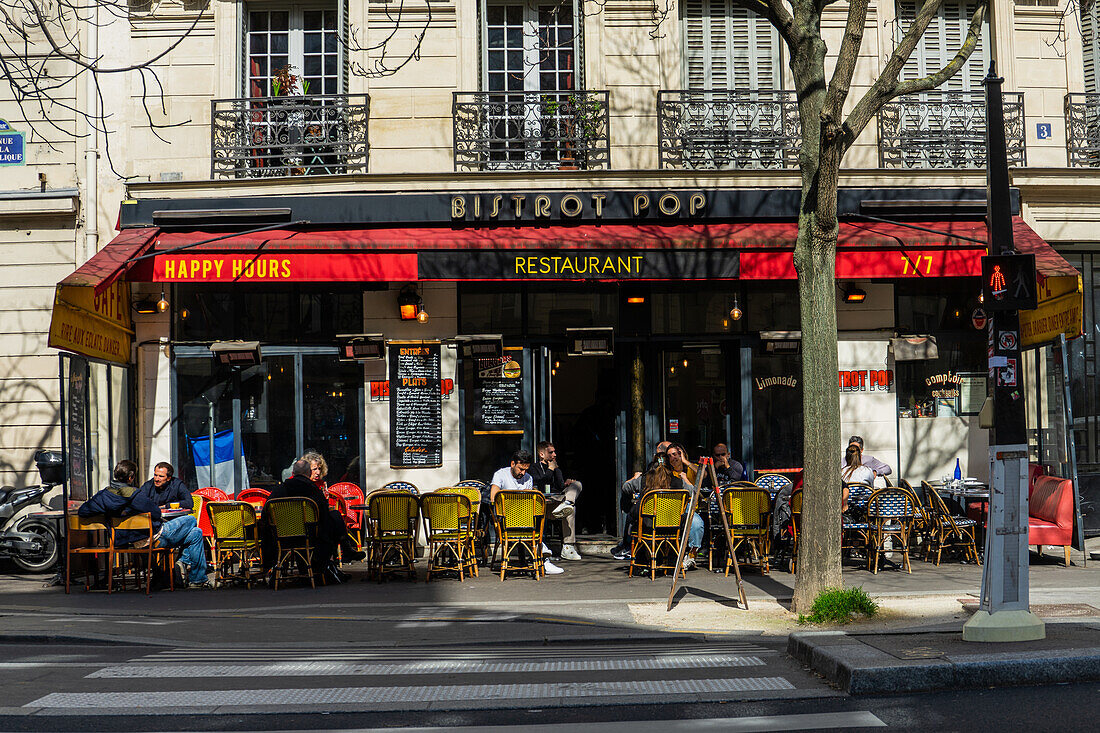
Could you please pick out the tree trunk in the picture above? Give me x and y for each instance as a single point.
(819, 541)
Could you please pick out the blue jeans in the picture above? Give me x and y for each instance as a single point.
(184, 532)
(695, 534)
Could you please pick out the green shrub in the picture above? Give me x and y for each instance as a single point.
(838, 606)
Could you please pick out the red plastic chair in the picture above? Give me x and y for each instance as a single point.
(212, 493)
(255, 497)
(351, 494)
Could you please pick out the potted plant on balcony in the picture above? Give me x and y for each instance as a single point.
(578, 121)
(290, 89)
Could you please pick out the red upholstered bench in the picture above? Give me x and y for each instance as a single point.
(1050, 513)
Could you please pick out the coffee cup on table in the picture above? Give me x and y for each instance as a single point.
(174, 505)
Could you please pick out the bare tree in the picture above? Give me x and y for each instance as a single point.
(44, 53)
(827, 134)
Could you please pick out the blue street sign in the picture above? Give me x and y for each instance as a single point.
(11, 145)
(1042, 130)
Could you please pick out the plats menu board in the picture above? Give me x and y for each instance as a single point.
(416, 408)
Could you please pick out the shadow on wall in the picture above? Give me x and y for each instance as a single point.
(30, 420)
(930, 445)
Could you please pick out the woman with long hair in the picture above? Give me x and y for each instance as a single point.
(680, 465)
(854, 472)
(318, 469)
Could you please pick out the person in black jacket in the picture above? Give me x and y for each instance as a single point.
(122, 499)
(561, 495)
(165, 489)
(332, 532)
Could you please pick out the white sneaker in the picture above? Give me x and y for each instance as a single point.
(550, 568)
(546, 551)
(563, 510)
(569, 552)
(689, 563)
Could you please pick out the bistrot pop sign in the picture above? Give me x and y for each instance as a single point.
(866, 380)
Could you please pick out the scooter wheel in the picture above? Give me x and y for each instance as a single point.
(47, 557)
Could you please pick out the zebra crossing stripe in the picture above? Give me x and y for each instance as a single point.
(139, 703)
(454, 666)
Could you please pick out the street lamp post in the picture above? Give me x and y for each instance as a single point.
(1008, 284)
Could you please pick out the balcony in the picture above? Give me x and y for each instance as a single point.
(565, 130)
(946, 130)
(728, 130)
(260, 137)
(1083, 130)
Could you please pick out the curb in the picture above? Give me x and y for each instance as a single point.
(861, 669)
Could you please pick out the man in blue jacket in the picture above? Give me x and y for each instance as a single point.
(122, 499)
(165, 489)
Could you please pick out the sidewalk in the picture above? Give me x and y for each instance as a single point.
(913, 644)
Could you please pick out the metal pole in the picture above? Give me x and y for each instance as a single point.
(1004, 614)
(210, 426)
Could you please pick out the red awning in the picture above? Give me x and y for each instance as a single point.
(105, 266)
(866, 250)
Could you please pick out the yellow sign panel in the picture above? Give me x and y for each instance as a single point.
(1060, 311)
(96, 326)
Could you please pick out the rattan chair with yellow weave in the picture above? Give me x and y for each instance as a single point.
(293, 522)
(477, 538)
(748, 513)
(659, 529)
(447, 517)
(146, 548)
(796, 526)
(394, 524)
(519, 516)
(236, 541)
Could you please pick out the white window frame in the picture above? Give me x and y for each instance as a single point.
(295, 38)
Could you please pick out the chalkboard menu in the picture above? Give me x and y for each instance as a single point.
(416, 409)
(75, 428)
(498, 395)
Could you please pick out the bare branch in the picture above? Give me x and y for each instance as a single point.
(841, 83)
(887, 86)
(777, 14)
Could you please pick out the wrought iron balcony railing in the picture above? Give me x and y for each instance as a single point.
(1083, 130)
(946, 130)
(314, 135)
(564, 130)
(719, 129)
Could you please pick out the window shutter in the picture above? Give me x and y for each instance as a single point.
(1090, 24)
(728, 47)
(942, 40)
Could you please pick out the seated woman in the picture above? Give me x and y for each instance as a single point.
(658, 476)
(680, 465)
(854, 472)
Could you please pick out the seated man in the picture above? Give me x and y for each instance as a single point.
(561, 495)
(514, 477)
(726, 467)
(879, 467)
(122, 499)
(165, 489)
(332, 532)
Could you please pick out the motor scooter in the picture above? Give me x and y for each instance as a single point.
(31, 541)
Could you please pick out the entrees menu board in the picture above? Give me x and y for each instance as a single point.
(416, 408)
(498, 395)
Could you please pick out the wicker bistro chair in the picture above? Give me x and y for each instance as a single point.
(890, 513)
(519, 520)
(773, 483)
(293, 521)
(237, 550)
(659, 528)
(949, 531)
(796, 526)
(922, 521)
(484, 530)
(448, 519)
(88, 538)
(855, 529)
(145, 548)
(478, 537)
(394, 524)
(748, 513)
(401, 486)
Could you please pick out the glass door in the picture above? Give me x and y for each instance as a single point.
(695, 406)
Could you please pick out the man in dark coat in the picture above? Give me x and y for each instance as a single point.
(165, 489)
(332, 532)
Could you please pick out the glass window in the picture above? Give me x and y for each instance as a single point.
(693, 310)
(490, 310)
(551, 312)
(301, 40)
(776, 411)
(933, 387)
(286, 314)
